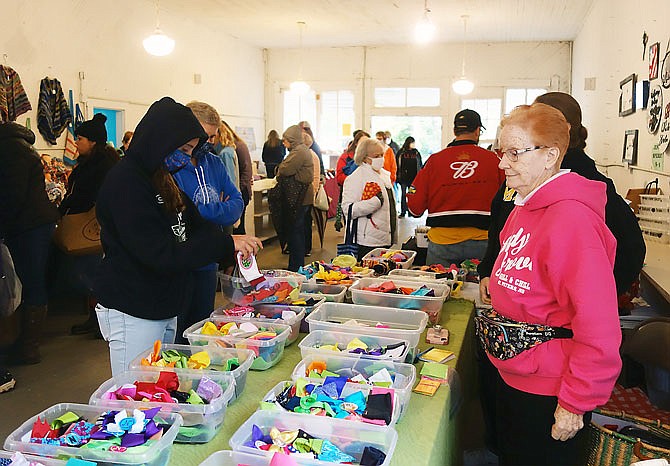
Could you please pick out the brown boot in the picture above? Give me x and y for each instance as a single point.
(27, 348)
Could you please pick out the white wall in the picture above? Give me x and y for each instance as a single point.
(60, 38)
(609, 48)
(490, 66)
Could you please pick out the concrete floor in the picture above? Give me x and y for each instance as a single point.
(73, 367)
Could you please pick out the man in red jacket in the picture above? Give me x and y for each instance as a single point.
(456, 186)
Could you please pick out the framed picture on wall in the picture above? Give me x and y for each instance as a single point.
(630, 147)
(627, 98)
(653, 60)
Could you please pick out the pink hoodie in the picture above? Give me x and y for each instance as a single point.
(555, 268)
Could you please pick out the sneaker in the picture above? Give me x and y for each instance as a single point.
(401, 216)
(308, 254)
(7, 382)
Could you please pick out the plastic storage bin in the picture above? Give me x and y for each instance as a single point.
(310, 344)
(350, 437)
(347, 390)
(432, 305)
(156, 454)
(267, 352)
(375, 255)
(236, 289)
(217, 356)
(201, 422)
(6, 455)
(269, 311)
(405, 374)
(332, 293)
(403, 324)
(235, 458)
(413, 274)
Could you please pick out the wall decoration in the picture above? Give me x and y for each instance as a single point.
(664, 132)
(665, 71)
(630, 147)
(247, 134)
(656, 158)
(654, 50)
(641, 94)
(655, 108)
(627, 97)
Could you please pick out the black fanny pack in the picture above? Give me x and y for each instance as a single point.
(505, 338)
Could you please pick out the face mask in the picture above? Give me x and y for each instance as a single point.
(387, 140)
(377, 163)
(204, 149)
(176, 161)
(412, 146)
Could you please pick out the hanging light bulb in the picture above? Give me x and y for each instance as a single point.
(158, 44)
(424, 31)
(463, 86)
(300, 87)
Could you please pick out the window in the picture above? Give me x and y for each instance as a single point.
(113, 125)
(489, 111)
(516, 97)
(426, 130)
(407, 97)
(336, 122)
(298, 108)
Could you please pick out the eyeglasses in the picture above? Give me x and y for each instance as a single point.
(513, 154)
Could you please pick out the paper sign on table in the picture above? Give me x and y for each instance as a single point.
(427, 386)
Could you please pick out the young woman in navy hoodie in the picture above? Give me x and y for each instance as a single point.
(153, 236)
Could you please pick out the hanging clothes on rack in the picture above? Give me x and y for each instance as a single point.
(13, 98)
(53, 112)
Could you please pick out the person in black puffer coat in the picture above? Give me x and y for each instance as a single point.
(27, 221)
(409, 163)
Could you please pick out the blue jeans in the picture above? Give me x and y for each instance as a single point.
(296, 239)
(128, 336)
(447, 254)
(202, 302)
(30, 251)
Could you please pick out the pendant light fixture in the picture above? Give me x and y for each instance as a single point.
(424, 31)
(300, 87)
(463, 86)
(158, 44)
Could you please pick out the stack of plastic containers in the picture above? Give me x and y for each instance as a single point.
(153, 453)
(349, 437)
(432, 305)
(201, 422)
(370, 320)
(268, 352)
(315, 342)
(218, 357)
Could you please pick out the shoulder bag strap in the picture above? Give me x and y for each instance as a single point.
(351, 236)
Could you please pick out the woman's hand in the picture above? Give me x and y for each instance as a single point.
(247, 245)
(566, 424)
(484, 294)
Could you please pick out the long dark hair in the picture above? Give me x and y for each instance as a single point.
(273, 139)
(408, 141)
(166, 186)
(359, 134)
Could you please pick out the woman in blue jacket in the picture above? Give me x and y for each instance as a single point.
(153, 236)
(206, 182)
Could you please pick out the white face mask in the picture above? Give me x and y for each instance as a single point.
(377, 163)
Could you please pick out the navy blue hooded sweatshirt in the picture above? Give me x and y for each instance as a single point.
(150, 253)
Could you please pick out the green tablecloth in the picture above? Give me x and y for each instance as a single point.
(426, 433)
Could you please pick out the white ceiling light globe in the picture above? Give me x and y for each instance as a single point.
(299, 87)
(463, 86)
(424, 31)
(158, 44)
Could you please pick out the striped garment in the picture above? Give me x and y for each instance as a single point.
(53, 113)
(13, 99)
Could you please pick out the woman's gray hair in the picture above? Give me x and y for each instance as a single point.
(365, 147)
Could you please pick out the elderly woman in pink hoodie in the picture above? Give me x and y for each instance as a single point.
(554, 333)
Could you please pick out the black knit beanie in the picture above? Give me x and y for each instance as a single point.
(93, 129)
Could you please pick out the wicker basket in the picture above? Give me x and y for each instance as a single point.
(609, 448)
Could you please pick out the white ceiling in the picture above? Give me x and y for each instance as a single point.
(273, 23)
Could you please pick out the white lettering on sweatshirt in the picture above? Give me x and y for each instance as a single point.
(512, 260)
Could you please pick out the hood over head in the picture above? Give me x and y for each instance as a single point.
(14, 130)
(166, 126)
(293, 135)
(572, 186)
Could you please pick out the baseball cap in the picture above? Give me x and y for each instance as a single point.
(468, 119)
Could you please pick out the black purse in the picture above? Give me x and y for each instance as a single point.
(350, 245)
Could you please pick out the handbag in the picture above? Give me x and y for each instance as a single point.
(10, 285)
(321, 201)
(79, 234)
(350, 245)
